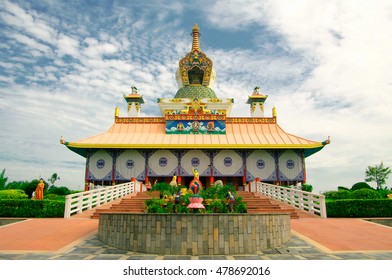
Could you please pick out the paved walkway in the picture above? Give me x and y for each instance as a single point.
(312, 239)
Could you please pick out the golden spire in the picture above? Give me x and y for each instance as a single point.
(195, 34)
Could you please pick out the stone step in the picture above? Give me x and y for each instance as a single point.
(257, 203)
(134, 204)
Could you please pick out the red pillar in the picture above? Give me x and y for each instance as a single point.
(87, 183)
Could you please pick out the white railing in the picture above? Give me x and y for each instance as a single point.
(307, 201)
(79, 202)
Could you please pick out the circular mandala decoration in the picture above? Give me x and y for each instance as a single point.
(228, 161)
(100, 163)
(290, 164)
(162, 162)
(130, 164)
(195, 162)
(260, 164)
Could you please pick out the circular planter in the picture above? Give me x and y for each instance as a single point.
(194, 234)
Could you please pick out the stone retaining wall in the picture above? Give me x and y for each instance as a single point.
(194, 234)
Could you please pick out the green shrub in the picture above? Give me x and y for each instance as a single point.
(183, 209)
(240, 208)
(13, 194)
(58, 190)
(360, 185)
(217, 206)
(164, 189)
(20, 185)
(52, 196)
(365, 194)
(341, 188)
(307, 188)
(27, 208)
(359, 208)
(384, 192)
(342, 194)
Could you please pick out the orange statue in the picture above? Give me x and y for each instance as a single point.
(39, 191)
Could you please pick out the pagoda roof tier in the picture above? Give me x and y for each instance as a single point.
(241, 133)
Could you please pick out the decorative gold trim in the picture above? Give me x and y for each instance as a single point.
(251, 120)
(192, 117)
(194, 146)
(140, 120)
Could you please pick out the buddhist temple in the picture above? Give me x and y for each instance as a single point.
(195, 132)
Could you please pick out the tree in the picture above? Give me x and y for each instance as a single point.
(378, 174)
(3, 179)
(53, 179)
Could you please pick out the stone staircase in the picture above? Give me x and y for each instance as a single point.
(128, 204)
(256, 203)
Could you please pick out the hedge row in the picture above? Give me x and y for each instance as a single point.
(359, 208)
(27, 208)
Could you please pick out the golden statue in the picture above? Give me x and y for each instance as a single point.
(195, 174)
(173, 182)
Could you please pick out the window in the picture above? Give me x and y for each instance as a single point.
(260, 164)
(100, 163)
(290, 164)
(162, 161)
(130, 164)
(227, 161)
(195, 162)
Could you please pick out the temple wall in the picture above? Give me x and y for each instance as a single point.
(290, 166)
(268, 165)
(101, 165)
(130, 163)
(195, 159)
(194, 234)
(261, 164)
(162, 163)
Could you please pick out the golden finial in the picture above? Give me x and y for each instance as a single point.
(195, 34)
(274, 112)
(116, 111)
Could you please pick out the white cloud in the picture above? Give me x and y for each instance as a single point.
(32, 44)
(30, 23)
(67, 45)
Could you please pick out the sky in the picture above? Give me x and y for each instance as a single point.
(325, 65)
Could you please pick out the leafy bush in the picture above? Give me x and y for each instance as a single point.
(58, 190)
(341, 188)
(13, 194)
(164, 189)
(52, 196)
(360, 185)
(218, 204)
(342, 194)
(307, 188)
(240, 208)
(27, 208)
(365, 194)
(384, 192)
(359, 208)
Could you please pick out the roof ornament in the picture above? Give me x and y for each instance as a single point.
(134, 90)
(195, 34)
(256, 90)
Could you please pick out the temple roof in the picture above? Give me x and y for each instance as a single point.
(145, 134)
